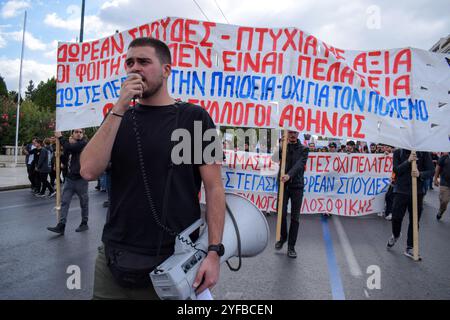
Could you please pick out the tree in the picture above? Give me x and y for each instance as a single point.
(33, 122)
(13, 97)
(45, 95)
(30, 91)
(3, 89)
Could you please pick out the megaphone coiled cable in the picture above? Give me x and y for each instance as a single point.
(238, 240)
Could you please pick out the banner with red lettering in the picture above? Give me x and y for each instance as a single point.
(337, 183)
(271, 78)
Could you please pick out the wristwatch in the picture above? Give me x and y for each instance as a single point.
(219, 248)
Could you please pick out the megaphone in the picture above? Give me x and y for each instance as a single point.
(245, 234)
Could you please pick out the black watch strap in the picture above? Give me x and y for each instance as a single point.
(219, 248)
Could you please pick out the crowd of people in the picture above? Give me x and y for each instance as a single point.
(142, 223)
(41, 166)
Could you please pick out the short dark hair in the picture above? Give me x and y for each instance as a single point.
(161, 49)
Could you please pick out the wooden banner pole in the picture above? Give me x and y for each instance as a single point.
(415, 210)
(58, 181)
(281, 184)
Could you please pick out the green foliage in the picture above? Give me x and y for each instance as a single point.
(3, 89)
(30, 90)
(33, 122)
(12, 95)
(44, 96)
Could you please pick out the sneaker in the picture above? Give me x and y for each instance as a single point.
(391, 242)
(291, 253)
(51, 194)
(40, 195)
(439, 216)
(380, 214)
(279, 244)
(389, 217)
(409, 252)
(58, 229)
(83, 227)
(106, 204)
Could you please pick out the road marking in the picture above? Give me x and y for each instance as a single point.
(355, 269)
(34, 204)
(337, 290)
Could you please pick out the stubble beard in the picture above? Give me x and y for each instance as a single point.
(151, 90)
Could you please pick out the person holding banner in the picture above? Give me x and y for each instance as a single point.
(443, 170)
(402, 168)
(153, 197)
(296, 157)
(74, 183)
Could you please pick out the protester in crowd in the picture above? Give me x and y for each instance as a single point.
(306, 139)
(373, 148)
(312, 147)
(403, 192)
(296, 157)
(74, 183)
(388, 149)
(30, 160)
(53, 172)
(44, 167)
(64, 163)
(351, 147)
(132, 236)
(435, 159)
(332, 147)
(443, 172)
(380, 148)
(389, 199)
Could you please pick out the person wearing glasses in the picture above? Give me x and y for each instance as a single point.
(74, 183)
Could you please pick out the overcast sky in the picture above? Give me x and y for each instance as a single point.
(346, 24)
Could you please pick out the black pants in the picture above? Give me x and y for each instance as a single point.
(296, 197)
(401, 203)
(389, 199)
(44, 183)
(33, 177)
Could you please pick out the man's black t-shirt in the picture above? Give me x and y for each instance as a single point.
(444, 163)
(130, 224)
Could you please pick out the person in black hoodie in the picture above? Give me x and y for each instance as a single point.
(403, 192)
(74, 183)
(296, 157)
(44, 167)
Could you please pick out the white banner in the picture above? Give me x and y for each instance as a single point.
(270, 78)
(337, 183)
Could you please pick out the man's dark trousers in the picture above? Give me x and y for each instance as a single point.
(296, 197)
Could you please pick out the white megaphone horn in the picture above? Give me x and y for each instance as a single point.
(245, 234)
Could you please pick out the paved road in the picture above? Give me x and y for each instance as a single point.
(334, 255)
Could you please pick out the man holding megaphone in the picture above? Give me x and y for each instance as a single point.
(153, 197)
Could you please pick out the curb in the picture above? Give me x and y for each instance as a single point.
(20, 186)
